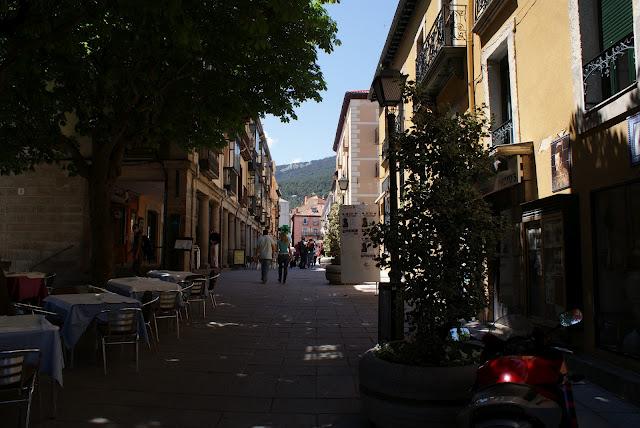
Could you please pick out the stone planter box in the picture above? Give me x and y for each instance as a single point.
(398, 395)
(332, 273)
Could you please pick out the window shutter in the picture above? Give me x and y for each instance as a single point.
(616, 17)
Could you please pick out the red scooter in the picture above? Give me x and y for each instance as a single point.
(524, 382)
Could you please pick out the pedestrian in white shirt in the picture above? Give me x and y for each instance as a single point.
(265, 250)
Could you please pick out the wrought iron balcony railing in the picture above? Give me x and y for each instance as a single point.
(448, 30)
(503, 134)
(610, 72)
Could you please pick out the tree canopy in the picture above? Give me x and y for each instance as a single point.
(121, 74)
(151, 71)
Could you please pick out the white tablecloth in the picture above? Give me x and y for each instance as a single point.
(136, 286)
(30, 275)
(34, 332)
(79, 310)
(177, 276)
(173, 275)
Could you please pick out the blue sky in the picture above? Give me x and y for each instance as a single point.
(362, 27)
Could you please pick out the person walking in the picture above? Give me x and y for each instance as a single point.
(311, 250)
(284, 254)
(303, 254)
(136, 250)
(214, 242)
(265, 250)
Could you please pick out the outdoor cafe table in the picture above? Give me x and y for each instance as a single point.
(79, 310)
(177, 276)
(34, 332)
(136, 286)
(26, 286)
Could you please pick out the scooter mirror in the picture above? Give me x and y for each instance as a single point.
(569, 318)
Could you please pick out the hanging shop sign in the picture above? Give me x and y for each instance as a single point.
(357, 255)
(507, 174)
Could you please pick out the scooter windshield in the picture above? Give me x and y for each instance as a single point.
(512, 325)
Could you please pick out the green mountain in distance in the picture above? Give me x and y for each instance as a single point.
(305, 178)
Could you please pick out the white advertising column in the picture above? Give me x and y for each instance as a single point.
(356, 255)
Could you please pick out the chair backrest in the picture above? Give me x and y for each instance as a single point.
(23, 308)
(197, 287)
(213, 279)
(122, 321)
(12, 365)
(49, 280)
(168, 300)
(149, 304)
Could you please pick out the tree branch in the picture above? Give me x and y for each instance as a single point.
(79, 162)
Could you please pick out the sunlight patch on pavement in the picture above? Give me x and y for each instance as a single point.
(366, 288)
(99, 421)
(322, 352)
(223, 324)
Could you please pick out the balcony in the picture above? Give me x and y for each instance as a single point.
(610, 72)
(208, 161)
(486, 11)
(231, 180)
(503, 134)
(444, 51)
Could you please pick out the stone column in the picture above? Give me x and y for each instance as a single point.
(224, 236)
(215, 226)
(203, 230)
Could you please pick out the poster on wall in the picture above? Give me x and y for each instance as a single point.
(634, 139)
(561, 164)
(357, 256)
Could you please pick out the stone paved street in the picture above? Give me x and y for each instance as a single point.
(270, 355)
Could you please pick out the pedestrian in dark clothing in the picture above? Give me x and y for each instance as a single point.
(303, 254)
(136, 251)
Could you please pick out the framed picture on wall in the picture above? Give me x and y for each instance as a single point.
(560, 164)
(634, 138)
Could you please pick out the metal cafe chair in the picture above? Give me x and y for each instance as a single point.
(168, 308)
(213, 280)
(121, 328)
(195, 293)
(48, 282)
(94, 289)
(18, 379)
(149, 306)
(24, 309)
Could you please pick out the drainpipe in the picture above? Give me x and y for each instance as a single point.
(470, 58)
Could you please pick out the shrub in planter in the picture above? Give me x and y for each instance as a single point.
(444, 234)
(332, 245)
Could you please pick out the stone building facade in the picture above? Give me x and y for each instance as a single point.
(356, 148)
(306, 219)
(559, 82)
(178, 195)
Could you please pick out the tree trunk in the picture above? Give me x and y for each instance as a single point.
(101, 228)
(105, 169)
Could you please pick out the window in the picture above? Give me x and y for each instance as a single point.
(609, 64)
(316, 222)
(305, 221)
(500, 96)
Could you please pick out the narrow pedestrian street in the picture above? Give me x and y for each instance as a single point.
(280, 355)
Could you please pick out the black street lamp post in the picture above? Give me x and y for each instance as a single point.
(387, 89)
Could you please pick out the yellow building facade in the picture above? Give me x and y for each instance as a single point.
(558, 80)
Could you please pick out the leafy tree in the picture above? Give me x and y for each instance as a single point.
(331, 240)
(84, 81)
(444, 234)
